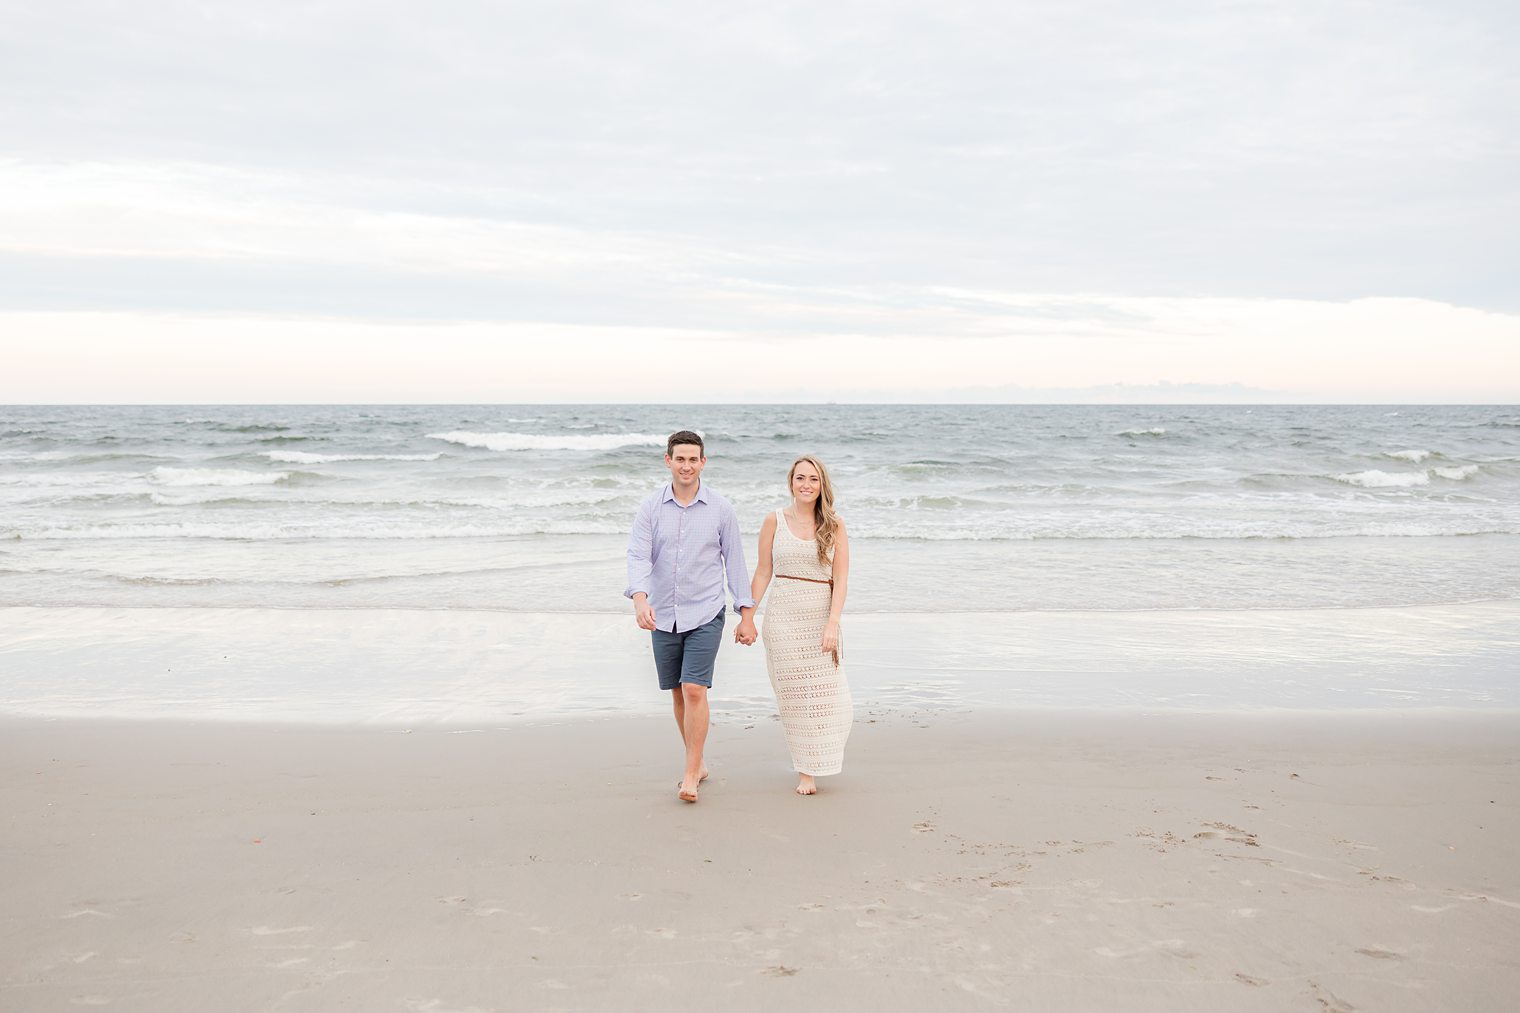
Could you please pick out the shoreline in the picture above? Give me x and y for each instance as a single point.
(424, 667)
(566, 573)
(1083, 860)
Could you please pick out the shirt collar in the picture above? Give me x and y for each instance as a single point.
(670, 492)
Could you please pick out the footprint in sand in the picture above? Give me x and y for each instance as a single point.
(1377, 954)
(1373, 876)
(474, 909)
(437, 1006)
(923, 827)
(1229, 832)
(1328, 1000)
(779, 971)
(1250, 979)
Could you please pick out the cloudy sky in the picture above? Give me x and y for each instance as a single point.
(600, 201)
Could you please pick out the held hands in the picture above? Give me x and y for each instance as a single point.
(745, 634)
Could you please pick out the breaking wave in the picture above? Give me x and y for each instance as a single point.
(298, 457)
(215, 476)
(528, 441)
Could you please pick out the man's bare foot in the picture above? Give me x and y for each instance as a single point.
(806, 785)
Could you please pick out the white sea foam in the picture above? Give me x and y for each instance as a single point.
(526, 441)
(1458, 473)
(215, 476)
(165, 499)
(1385, 479)
(1155, 431)
(297, 457)
(1415, 456)
(364, 531)
(45, 455)
(80, 479)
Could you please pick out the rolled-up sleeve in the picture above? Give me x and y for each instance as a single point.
(731, 544)
(640, 551)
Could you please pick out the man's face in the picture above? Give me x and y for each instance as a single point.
(685, 462)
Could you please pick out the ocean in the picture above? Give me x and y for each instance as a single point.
(953, 508)
(954, 511)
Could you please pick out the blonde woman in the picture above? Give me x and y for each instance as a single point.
(805, 548)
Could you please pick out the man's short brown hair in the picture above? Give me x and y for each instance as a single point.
(685, 436)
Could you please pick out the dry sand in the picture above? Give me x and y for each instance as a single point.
(1040, 861)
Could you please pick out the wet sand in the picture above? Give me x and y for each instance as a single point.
(1040, 860)
(451, 666)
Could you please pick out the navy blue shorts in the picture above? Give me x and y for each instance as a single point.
(689, 656)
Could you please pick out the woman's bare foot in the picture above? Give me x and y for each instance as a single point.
(686, 793)
(806, 785)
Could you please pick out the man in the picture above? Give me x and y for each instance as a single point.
(685, 541)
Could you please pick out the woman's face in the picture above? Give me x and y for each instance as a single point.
(805, 482)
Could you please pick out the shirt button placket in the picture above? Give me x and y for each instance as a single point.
(676, 584)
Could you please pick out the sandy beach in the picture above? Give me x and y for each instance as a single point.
(1040, 860)
(339, 707)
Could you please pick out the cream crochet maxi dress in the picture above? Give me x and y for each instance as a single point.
(811, 692)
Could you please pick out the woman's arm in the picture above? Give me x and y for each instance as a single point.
(746, 634)
(830, 642)
(764, 564)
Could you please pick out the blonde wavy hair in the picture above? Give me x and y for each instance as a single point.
(825, 521)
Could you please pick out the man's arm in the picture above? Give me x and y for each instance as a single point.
(746, 633)
(731, 545)
(641, 565)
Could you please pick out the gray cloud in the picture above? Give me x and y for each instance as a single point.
(784, 167)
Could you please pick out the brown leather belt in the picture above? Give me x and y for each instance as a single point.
(810, 580)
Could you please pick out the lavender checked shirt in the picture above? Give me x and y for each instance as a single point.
(678, 556)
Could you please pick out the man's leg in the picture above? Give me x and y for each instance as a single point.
(694, 732)
(680, 709)
(679, 701)
(669, 651)
(700, 652)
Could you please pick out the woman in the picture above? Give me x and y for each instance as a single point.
(805, 548)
